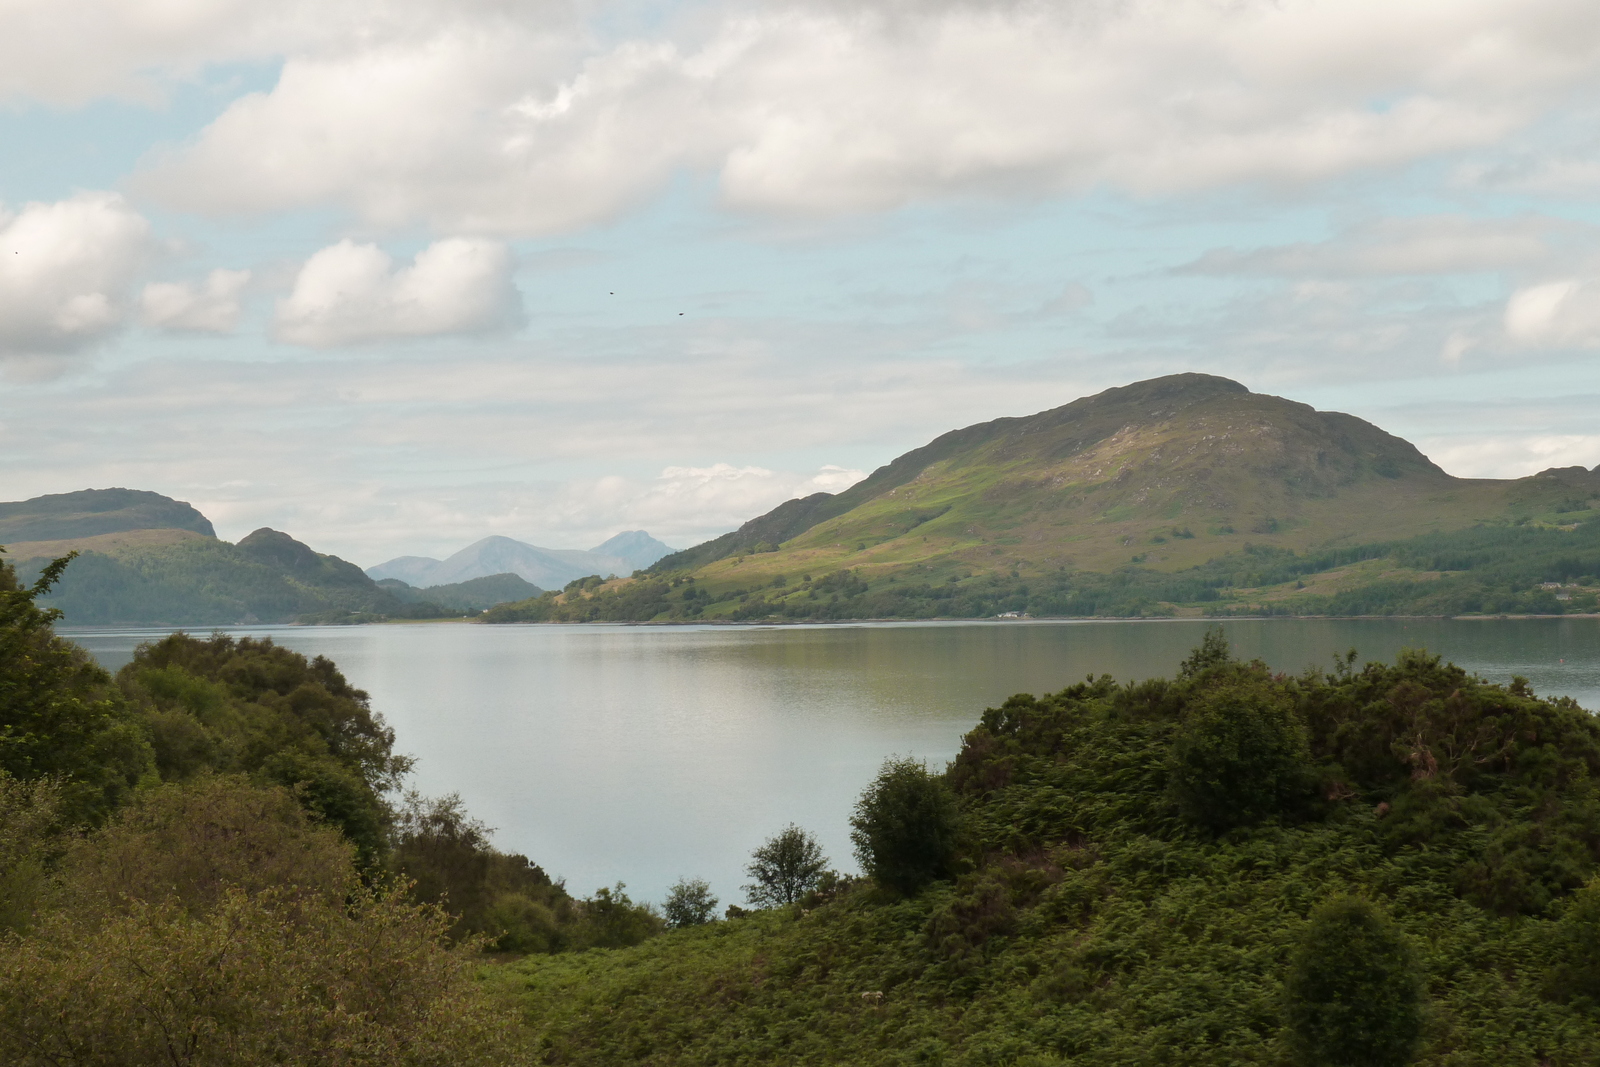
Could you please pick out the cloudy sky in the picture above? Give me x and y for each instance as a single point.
(395, 274)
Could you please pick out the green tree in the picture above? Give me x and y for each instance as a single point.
(787, 867)
(905, 827)
(689, 903)
(1576, 944)
(60, 717)
(248, 706)
(1354, 996)
(1241, 754)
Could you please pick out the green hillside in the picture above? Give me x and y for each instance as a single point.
(201, 581)
(1184, 494)
(91, 512)
(474, 594)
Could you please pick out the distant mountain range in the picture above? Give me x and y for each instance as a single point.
(548, 568)
(1187, 493)
(146, 559)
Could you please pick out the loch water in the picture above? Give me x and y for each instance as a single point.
(641, 754)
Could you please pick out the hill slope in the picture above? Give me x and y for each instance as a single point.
(94, 512)
(1148, 484)
(145, 559)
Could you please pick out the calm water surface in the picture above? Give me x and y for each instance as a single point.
(642, 754)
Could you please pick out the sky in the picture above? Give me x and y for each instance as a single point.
(394, 275)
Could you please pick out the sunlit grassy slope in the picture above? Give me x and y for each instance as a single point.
(1150, 480)
(1177, 471)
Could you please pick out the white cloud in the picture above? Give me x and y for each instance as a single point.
(65, 271)
(1513, 456)
(211, 307)
(349, 293)
(68, 52)
(483, 123)
(1563, 313)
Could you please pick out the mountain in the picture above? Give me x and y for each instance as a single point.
(634, 547)
(474, 594)
(548, 568)
(145, 559)
(1183, 490)
(96, 512)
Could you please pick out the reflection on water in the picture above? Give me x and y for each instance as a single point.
(641, 754)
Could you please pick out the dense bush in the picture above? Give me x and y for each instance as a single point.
(905, 827)
(245, 705)
(60, 716)
(213, 922)
(1353, 994)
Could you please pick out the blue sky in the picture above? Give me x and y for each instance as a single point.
(393, 276)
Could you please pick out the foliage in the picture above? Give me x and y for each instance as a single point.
(30, 835)
(689, 903)
(188, 844)
(213, 922)
(1239, 756)
(245, 705)
(785, 868)
(1353, 994)
(60, 716)
(905, 827)
(1094, 925)
(1576, 945)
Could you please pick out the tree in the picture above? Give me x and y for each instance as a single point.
(249, 706)
(689, 903)
(1354, 995)
(905, 827)
(785, 868)
(1240, 755)
(60, 717)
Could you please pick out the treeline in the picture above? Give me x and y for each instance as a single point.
(1367, 867)
(1490, 570)
(207, 858)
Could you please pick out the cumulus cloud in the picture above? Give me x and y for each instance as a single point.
(349, 293)
(1563, 313)
(1513, 456)
(478, 124)
(209, 307)
(65, 271)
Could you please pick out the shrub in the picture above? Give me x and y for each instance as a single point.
(261, 979)
(1354, 995)
(905, 827)
(187, 845)
(1240, 755)
(787, 867)
(60, 717)
(1576, 937)
(690, 903)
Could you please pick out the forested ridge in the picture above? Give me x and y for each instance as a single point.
(209, 858)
